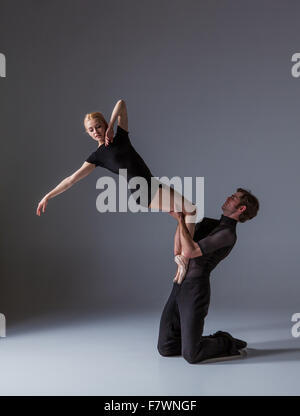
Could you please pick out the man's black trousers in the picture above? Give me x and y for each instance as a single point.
(182, 322)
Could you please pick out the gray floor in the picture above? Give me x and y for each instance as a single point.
(115, 354)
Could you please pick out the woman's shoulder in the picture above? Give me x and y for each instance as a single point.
(95, 157)
(121, 136)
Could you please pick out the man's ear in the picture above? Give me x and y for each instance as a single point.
(242, 208)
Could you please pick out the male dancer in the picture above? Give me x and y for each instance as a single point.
(182, 320)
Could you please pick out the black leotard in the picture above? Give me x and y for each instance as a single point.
(216, 239)
(120, 154)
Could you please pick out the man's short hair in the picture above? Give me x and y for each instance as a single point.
(251, 203)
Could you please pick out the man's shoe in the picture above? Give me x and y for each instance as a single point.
(238, 342)
(241, 354)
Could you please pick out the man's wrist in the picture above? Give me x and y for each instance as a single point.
(181, 218)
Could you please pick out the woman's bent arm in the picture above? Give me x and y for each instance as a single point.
(65, 184)
(120, 112)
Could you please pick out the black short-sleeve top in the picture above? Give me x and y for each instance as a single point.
(120, 154)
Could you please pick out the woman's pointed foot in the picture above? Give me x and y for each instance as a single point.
(175, 280)
(182, 268)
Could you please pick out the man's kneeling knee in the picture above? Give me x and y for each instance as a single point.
(191, 358)
(167, 353)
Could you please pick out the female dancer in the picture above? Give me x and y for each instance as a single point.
(116, 152)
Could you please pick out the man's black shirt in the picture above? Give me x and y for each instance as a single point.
(216, 239)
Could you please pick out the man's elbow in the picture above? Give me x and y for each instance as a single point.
(188, 253)
(192, 253)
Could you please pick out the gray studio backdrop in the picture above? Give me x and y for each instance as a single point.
(209, 92)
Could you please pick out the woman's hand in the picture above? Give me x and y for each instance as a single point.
(109, 135)
(42, 205)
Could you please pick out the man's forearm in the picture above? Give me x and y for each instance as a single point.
(187, 243)
(116, 112)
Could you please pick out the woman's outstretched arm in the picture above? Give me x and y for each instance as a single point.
(65, 184)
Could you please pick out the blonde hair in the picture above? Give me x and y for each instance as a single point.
(95, 116)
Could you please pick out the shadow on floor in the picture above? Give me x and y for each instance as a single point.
(269, 351)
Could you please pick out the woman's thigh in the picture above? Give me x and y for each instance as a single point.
(167, 199)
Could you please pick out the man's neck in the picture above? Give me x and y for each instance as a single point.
(233, 216)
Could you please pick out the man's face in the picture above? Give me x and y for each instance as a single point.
(230, 205)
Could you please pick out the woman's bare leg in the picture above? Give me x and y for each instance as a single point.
(177, 243)
(179, 258)
(177, 251)
(168, 200)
